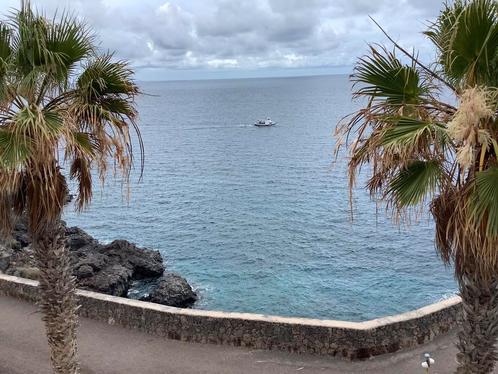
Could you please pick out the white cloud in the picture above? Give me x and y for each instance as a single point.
(222, 63)
(246, 34)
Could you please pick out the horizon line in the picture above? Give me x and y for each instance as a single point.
(241, 78)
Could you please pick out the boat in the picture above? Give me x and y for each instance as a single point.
(265, 123)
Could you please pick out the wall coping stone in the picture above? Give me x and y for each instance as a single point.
(353, 340)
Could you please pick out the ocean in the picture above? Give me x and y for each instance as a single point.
(258, 219)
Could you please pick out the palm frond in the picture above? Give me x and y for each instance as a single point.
(466, 35)
(381, 75)
(58, 95)
(103, 76)
(69, 42)
(14, 150)
(484, 201)
(81, 171)
(421, 148)
(408, 131)
(104, 99)
(5, 48)
(415, 182)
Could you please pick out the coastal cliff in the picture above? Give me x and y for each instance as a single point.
(119, 268)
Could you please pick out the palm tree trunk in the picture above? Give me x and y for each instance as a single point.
(58, 301)
(479, 327)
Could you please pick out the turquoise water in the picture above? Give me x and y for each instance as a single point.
(257, 219)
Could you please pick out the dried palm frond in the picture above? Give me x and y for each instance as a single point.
(48, 104)
(423, 152)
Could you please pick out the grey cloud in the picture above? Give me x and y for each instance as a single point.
(246, 34)
(231, 18)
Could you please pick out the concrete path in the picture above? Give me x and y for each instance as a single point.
(108, 349)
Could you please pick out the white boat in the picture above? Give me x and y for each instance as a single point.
(265, 123)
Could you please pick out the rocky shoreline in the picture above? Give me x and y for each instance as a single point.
(119, 268)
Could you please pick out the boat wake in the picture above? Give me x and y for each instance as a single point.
(218, 127)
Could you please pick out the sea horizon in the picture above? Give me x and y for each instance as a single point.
(224, 77)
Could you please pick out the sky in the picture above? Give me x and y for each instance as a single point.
(209, 39)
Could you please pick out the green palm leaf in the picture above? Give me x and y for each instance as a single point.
(70, 41)
(52, 121)
(484, 200)
(413, 183)
(102, 76)
(407, 131)
(5, 49)
(14, 149)
(466, 35)
(83, 141)
(383, 76)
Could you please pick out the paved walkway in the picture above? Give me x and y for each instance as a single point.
(108, 349)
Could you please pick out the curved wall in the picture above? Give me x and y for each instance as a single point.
(353, 340)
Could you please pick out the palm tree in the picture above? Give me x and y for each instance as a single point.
(61, 102)
(428, 151)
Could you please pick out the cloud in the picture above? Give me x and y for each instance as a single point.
(246, 34)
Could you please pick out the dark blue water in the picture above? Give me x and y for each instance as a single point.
(257, 218)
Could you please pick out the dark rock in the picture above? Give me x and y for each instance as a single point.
(83, 271)
(68, 199)
(172, 290)
(77, 238)
(145, 263)
(110, 268)
(113, 268)
(20, 233)
(114, 280)
(91, 257)
(6, 255)
(18, 259)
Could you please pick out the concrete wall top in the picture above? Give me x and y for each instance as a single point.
(365, 325)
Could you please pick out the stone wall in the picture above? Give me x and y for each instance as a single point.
(353, 340)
